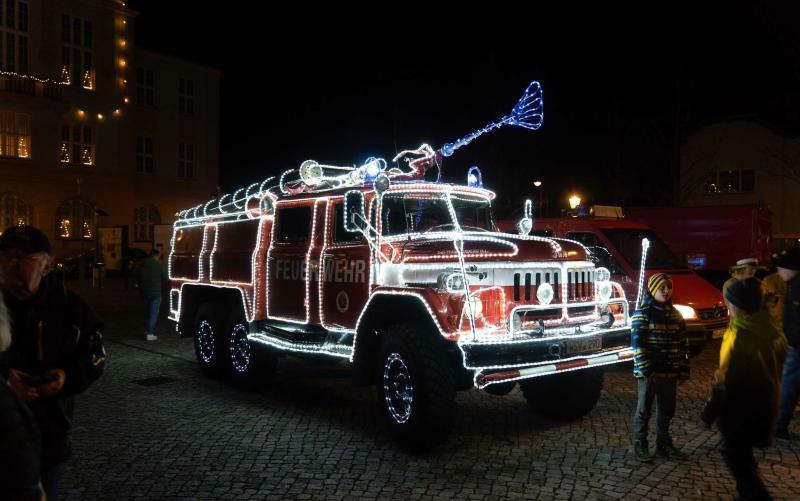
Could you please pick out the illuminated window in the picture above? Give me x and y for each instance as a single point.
(186, 160)
(76, 220)
(14, 36)
(144, 219)
(144, 155)
(77, 146)
(14, 211)
(732, 181)
(76, 52)
(15, 135)
(186, 96)
(145, 87)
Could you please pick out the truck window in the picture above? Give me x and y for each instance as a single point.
(629, 243)
(413, 213)
(340, 235)
(601, 256)
(294, 224)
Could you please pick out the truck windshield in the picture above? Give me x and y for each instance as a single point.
(629, 243)
(424, 212)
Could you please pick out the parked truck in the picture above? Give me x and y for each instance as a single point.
(710, 239)
(405, 278)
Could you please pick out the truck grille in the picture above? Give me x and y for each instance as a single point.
(717, 312)
(525, 284)
(580, 285)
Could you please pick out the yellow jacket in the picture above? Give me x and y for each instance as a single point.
(748, 382)
(774, 284)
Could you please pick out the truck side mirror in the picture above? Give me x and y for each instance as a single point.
(525, 225)
(354, 218)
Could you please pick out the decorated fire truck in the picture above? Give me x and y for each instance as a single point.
(405, 278)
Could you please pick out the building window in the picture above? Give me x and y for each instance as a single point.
(15, 136)
(77, 146)
(76, 220)
(186, 160)
(144, 220)
(732, 181)
(14, 211)
(145, 87)
(144, 155)
(186, 96)
(76, 52)
(14, 36)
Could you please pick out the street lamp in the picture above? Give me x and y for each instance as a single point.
(574, 201)
(538, 184)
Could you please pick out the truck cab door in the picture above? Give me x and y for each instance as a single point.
(287, 262)
(344, 278)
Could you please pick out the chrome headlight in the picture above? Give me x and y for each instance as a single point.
(604, 291)
(602, 275)
(451, 282)
(544, 293)
(687, 312)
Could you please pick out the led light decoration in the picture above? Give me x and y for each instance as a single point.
(527, 113)
(645, 247)
(474, 177)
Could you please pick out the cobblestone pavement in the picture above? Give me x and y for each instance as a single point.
(312, 436)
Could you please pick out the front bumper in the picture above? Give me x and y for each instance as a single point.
(552, 349)
(700, 332)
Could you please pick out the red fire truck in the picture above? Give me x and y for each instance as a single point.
(408, 280)
(405, 278)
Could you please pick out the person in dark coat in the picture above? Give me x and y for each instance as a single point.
(19, 436)
(151, 280)
(789, 270)
(660, 360)
(747, 385)
(56, 350)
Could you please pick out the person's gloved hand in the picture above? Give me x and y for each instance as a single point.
(16, 378)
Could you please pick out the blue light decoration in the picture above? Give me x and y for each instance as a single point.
(527, 113)
(474, 177)
(373, 167)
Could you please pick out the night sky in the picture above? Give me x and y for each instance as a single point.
(622, 89)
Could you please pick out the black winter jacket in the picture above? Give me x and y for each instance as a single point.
(55, 329)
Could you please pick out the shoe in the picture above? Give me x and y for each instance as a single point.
(642, 451)
(668, 450)
(152, 337)
(785, 434)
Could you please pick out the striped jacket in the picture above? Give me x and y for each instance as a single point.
(659, 342)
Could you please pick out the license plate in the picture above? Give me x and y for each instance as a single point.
(584, 345)
(717, 333)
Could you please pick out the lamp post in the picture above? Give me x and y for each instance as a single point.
(538, 184)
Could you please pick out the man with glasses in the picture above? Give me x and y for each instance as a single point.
(56, 348)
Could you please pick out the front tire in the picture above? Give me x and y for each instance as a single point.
(566, 396)
(416, 387)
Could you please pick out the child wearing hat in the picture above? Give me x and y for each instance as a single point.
(660, 360)
(746, 388)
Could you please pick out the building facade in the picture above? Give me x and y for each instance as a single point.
(95, 133)
(742, 162)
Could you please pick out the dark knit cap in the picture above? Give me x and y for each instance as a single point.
(745, 294)
(790, 260)
(27, 239)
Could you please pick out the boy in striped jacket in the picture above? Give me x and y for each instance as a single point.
(660, 361)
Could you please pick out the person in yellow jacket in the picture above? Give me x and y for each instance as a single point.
(747, 386)
(775, 289)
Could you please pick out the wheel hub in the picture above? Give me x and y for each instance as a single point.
(239, 348)
(205, 341)
(398, 388)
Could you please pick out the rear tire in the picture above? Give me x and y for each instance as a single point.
(209, 348)
(250, 366)
(416, 387)
(564, 397)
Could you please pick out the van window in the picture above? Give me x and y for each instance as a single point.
(629, 243)
(601, 256)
